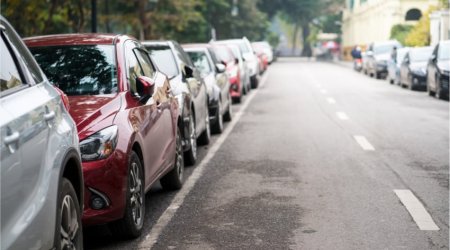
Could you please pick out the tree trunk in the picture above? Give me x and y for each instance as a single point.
(50, 16)
(306, 46)
(294, 38)
(141, 5)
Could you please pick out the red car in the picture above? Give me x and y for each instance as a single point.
(127, 121)
(226, 56)
(263, 58)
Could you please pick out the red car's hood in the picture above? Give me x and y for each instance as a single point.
(89, 111)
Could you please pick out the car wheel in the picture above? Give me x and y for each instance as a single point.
(205, 137)
(430, 92)
(228, 116)
(190, 156)
(439, 94)
(69, 227)
(130, 226)
(254, 82)
(217, 128)
(174, 179)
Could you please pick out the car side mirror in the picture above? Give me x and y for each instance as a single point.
(236, 60)
(220, 68)
(145, 87)
(188, 72)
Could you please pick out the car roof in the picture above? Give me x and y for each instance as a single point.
(75, 39)
(157, 42)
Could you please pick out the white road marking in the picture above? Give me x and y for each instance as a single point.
(323, 91)
(416, 210)
(342, 115)
(331, 100)
(163, 221)
(364, 143)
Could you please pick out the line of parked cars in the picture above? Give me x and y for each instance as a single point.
(418, 68)
(91, 121)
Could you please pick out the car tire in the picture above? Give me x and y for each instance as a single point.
(205, 137)
(190, 156)
(69, 228)
(130, 226)
(228, 116)
(439, 94)
(173, 180)
(254, 82)
(217, 127)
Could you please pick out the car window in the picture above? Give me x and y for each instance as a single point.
(444, 51)
(182, 55)
(200, 60)
(33, 70)
(146, 64)
(79, 69)
(163, 57)
(134, 70)
(421, 54)
(9, 74)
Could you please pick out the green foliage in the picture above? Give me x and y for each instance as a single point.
(400, 31)
(420, 33)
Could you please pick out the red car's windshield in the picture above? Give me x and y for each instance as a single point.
(80, 69)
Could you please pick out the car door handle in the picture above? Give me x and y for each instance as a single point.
(49, 116)
(12, 138)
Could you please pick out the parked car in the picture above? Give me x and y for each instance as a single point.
(438, 71)
(394, 66)
(413, 71)
(377, 57)
(190, 90)
(216, 80)
(262, 56)
(267, 50)
(233, 69)
(41, 176)
(250, 59)
(127, 121)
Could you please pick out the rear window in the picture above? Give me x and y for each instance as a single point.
(164, 59)
(223, 54)
(200, 60)
(80, 69)
(420, 55)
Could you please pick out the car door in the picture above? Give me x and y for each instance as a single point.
(146, 117)
(197, 87)
(28, 112)
(432, 69)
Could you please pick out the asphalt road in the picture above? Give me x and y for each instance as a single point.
(319, 157)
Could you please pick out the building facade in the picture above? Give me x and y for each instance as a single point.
(366, 21)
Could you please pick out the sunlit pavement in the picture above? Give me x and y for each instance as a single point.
(319, 157)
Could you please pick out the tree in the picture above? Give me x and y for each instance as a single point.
(399, 32)
(420, 33)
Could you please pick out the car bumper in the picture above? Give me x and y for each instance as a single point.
(235, 87)
(105, 179)
(419, 80)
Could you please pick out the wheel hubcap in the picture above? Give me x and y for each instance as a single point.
(179, 155)
(69, 224)
(136, 194)
(193, 138)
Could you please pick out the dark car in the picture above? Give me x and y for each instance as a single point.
(41, 176)
(190, 90)
(127, 121)
(377, 56)
(213, 73)
(438, 71)
(413, 71)
(230, 56)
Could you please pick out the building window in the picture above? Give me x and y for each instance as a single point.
(413, 15)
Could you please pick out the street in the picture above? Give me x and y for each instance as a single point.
(318, 157)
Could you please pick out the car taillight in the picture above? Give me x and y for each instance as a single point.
(64, 98)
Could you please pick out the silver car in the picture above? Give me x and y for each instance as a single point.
(41, 178)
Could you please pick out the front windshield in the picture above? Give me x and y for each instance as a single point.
(420, 55)
(163, 58)
(444, 51)
(200, 61)
(80, 69)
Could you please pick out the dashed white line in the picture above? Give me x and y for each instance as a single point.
(342, 115)
(163, 221)
(331, 100)
(364, 143)
(417, 211)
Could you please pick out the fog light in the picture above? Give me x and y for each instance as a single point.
(98, 200)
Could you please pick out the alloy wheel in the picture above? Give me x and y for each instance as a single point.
(193, 137)
(69, 224)
(136, 194)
